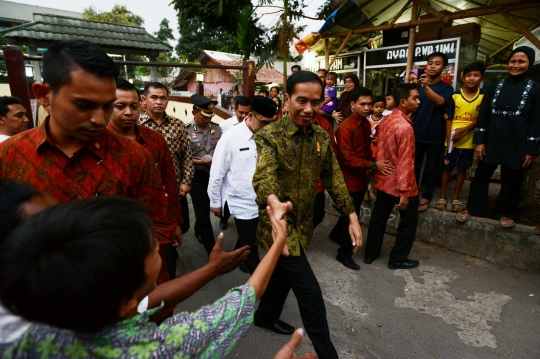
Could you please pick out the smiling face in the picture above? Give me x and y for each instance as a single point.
(126, 110)
(273, 92)
(304, 103)
(362, 106)
(349, 84)
(518, 64)
(81, 109)
(472, 79)
(14, 121)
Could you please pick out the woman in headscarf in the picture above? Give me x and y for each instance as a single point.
(508, 134)
(413, 76)
(343, 107)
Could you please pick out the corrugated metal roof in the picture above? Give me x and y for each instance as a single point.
(51, 28)
(25, 13)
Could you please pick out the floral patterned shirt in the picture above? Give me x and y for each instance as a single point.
(289, 165)
(175, 133)
(210, 332)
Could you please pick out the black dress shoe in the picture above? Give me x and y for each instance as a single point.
(244, 268)
(406, 264)
(222, 224)
(348, 262)
(369, 260)
(279, 327)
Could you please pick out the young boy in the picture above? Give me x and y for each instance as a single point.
(61, 268)
(462, 115)
(378, 108)
(390, 104)
(330, 96)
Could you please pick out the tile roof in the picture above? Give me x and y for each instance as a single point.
(25, 13)
(52, 28)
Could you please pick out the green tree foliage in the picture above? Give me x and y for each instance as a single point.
(118, 15)
(164, 33)
(195, 37)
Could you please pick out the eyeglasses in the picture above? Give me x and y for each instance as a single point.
(262, 123)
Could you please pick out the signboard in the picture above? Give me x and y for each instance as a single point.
(397, 55)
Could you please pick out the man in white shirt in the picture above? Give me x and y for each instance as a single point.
(234, 162)
(12, 117)
(242, 106)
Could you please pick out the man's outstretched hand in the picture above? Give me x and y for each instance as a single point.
(277, 211)
(224, 262)
(287, 351)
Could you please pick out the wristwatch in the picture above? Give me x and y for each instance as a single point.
(374, 166)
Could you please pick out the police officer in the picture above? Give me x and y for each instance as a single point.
(204, 135)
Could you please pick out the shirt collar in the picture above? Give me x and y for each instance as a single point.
(97, 146)
(145, 118)
(403, 115)
(291, 128)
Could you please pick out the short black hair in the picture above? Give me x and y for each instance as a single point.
(323, 70)
(72, 265)
(65, 56)
(275, 87)
(302, 77)
(264, 91)
(13, 194)
(156, 85)
(439, 54)
(379, 99)
(402, 91)
(241, 101)
(359, 92)
(279, 105)
(5, 101)
(475, 66)
(333, 74)
(389, 93)
(125, 85)
(296, 67)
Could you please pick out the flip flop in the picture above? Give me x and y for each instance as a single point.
(423, 206)
(463, 216)
(366, 197)
(537, 230)
(441, 204)
(373, 197)
(457, 202)
(507, 222)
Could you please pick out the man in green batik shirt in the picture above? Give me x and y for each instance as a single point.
(292, 155)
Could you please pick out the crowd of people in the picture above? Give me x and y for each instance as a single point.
(93, 203)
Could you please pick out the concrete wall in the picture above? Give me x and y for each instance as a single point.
(484, 238)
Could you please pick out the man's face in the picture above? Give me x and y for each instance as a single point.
(156, 101)
(258, 121)
(200, 120)
(304, 103)
(411, 104)
(472, 79)
(81, 109)
(242, 112)
(126, 110)
(294, 69)
(435, 66)
(362, 106)
(322, 76)
(273, 92)
(15, 120)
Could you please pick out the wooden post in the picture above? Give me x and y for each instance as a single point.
(327, 55)
(13, 56)
(412, 35)
(153, 69)
(339, 50)
(399, 14)
(519, 26)
(513, 40)
(248, 79)
(432, 11)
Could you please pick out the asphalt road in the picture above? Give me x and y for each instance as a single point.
(452, 306)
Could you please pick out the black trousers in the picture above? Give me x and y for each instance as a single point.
(201, 207)
(406, 232)
(170, 256)
(433, 164)
(226, 213)
(185, 214)
(295, 273)
(318, 213)
(247, 234)
(342, 226)
(506, 204)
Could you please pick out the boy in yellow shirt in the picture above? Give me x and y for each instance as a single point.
(462, 116)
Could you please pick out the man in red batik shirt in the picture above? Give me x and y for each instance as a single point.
(72, 156)
(354, 157)
(124, 121)
(398, 190)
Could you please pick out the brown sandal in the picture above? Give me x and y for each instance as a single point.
(463, 216)
(457, 206)
(423, 206)
(507, 222)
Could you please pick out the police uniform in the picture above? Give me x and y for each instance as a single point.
(203, 143)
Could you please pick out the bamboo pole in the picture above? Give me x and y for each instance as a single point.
(339, 49)
(326, 55)
(432, 11)
(412, 35)
(399, 14)
(513, 40)
(519, 26)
